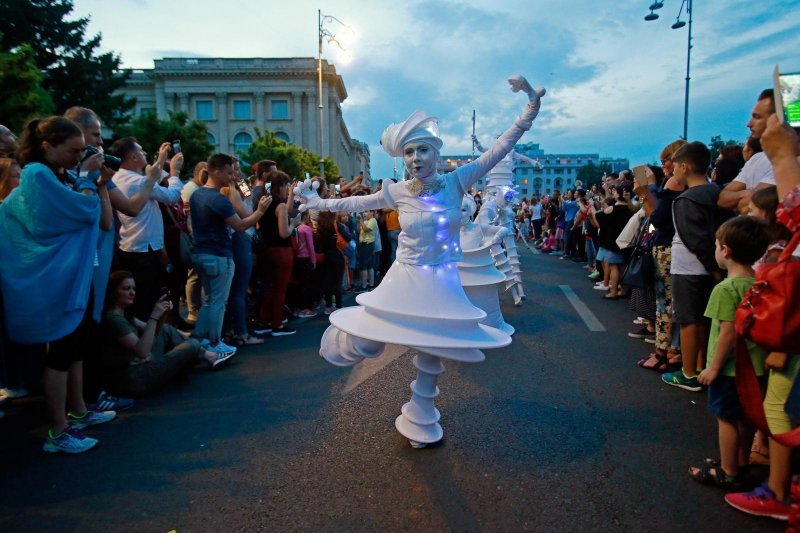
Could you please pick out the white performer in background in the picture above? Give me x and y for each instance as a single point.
(479, 273)
(420, 302)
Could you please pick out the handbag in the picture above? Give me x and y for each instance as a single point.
(768, 315)
(640, 271)
(341, 244)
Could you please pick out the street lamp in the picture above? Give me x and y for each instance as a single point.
(675, 26)
(347, 33)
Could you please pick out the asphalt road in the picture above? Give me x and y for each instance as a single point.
(559, 431)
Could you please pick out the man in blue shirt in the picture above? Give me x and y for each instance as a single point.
(212, 255)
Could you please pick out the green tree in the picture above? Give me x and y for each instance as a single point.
(74, 72)
(151, 132)
(293, 160)
(21, 96)
(717, 144)
(591, 174)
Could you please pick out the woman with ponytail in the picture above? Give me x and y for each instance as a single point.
(50, 225)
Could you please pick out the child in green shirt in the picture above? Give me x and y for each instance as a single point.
(740, 242)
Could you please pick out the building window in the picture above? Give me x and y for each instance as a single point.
(525, 181)
(282, 135)
(146, 110)
(204, 109)
(242, 141)
(279, 109)
(211, 139)
(524, 170)
(241, 110)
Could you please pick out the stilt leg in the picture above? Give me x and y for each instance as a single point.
(419, 419)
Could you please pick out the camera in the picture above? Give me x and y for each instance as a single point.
(108, 160)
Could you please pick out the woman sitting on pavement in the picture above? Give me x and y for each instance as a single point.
(135, 357)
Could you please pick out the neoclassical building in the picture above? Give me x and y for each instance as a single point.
(236, 96)
(554, 172)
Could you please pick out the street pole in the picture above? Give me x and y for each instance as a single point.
(473, 133)
(688, 64)
(319, 96)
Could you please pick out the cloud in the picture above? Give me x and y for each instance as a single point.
(615, 82)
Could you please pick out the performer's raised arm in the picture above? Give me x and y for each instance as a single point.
(370, 202)
(470, 173)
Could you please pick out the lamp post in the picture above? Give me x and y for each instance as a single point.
(324, 33)
(677, 25)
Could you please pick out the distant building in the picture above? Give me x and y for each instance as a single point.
(233, 97)
(558, 171)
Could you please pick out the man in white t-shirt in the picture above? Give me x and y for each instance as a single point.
(757, 172)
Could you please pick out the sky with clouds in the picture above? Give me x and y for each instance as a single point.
(615, 83)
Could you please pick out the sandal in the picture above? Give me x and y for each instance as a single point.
(661, 363)
(657, 361)
(715, 476)
(759, 455)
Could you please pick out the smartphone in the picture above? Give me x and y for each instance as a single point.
(164, 293)
(245, 188)
(640, 175)
(787, 97)
(176, 147)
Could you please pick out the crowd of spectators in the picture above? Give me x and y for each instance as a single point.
(682, 240)
(121, 276)
(118, 276)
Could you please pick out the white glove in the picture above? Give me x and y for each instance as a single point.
(306, 191)
(519, 83)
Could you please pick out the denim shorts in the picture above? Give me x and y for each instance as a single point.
(723, 400)
(610, 257)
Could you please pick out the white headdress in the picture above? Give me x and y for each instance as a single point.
(418, 127)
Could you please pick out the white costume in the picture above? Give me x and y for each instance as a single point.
(420, 302)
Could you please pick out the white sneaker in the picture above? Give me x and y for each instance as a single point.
(600, 287)
(639, 321)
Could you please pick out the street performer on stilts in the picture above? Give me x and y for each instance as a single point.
(420, 302)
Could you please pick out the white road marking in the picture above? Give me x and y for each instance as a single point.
(583, 311)
(369, 367)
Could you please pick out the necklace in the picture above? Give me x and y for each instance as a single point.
(417, 187)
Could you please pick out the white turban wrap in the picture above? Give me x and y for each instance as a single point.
(419, 127)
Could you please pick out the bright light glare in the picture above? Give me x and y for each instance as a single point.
(346, 35)
(344, 57)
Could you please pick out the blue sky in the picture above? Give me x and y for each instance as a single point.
(615, 82)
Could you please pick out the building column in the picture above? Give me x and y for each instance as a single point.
(222, 121)
(161, 100)
(297, 118)
(183, 98)
(260, 112)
